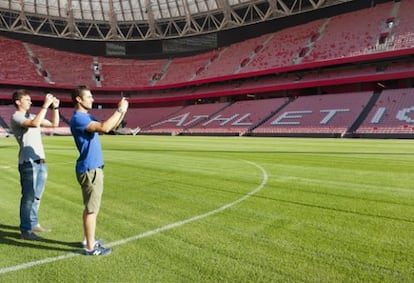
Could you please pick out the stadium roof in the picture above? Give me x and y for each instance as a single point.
(142, 19)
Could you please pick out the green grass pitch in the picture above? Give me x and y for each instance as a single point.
(221, 209)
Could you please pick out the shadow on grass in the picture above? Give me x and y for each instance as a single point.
(10, 235)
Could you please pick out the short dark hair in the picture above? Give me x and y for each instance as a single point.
(18, 94)
(77, 91)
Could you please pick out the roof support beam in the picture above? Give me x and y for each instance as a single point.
(146, 19)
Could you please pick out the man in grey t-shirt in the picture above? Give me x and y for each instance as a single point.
(32, 164)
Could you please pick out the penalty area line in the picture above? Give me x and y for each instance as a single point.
(151, 232)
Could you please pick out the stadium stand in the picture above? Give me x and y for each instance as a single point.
(15, 63)
(138, 118)
(307, 63)
(183, 119)
(350, 34)
(276, 55)
(238, 118)
(393, 113)
(311, 42)
(185, 69)
(5, 113)
(115, 72)
(233, 58)
(55, 65)
(331, 114)
(401, 27)
(65, 115)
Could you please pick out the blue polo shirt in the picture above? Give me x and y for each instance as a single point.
(88, 143)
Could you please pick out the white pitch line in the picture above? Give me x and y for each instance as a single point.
(149, 233)
(198, 217)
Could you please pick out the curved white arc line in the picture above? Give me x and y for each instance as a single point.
(198, 217)
(152, 232)
(35, 263)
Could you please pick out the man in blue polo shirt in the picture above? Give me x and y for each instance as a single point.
(89, 166)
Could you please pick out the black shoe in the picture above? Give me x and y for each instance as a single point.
(30, 236)
(98, 250)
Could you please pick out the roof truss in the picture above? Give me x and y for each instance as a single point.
(225, 17)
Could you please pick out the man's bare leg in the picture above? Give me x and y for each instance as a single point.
(89, 225)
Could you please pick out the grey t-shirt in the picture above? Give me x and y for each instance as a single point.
(29, 139)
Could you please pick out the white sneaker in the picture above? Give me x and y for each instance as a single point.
(38, 228)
